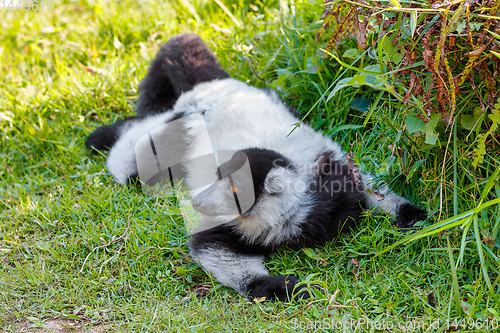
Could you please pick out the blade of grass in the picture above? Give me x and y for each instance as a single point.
(455, 290)
(231, 16)
(455, 171)
(461, 219)
(479, 245)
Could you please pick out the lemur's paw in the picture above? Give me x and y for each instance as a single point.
(102, 138)
(277, 287)
(408, 215)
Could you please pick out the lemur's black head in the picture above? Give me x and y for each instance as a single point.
(243, 181)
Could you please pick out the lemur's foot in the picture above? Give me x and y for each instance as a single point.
(277, 287)
(408, 215)
(104, 137)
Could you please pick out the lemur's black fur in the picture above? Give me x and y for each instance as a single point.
(180, 64)
(186, 79)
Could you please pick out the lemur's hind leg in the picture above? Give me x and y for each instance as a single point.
(104, 137)
(236, 264)
(182, 62)
(381, 198)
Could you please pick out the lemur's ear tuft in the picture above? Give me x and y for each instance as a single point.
(279, 180)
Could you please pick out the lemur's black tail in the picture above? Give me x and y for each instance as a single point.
(181, 63)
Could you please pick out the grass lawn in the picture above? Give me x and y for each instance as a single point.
(79, 251)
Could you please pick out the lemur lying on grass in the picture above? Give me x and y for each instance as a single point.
(300, 188)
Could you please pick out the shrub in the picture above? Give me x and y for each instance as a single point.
(440, 60)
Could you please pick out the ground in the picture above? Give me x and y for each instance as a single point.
(80, 253)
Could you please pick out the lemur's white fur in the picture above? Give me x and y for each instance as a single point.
(232, 270)
(121, 160)
(237, 116)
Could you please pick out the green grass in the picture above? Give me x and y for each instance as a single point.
(75, 245)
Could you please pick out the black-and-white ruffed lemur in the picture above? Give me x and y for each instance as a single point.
(305, 189)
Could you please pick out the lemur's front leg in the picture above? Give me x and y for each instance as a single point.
(240, 266)
(382, 199)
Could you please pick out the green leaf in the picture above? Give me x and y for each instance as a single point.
(309, 252)
(431, 124)
(414, 124)
(374, 81)
(470, 121)
(391, 51)
(360, 103)
(283, 75)
(372, 69)
(341, 84)
(460, 27)
(493, 312)
(479, 244)
(351, 53)
(416, 64)
(72, 316)
(480, 149)
(476, 26)
(372, 75)
(345, 127)
(312, 65)
(489, 184)
(431, 138)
